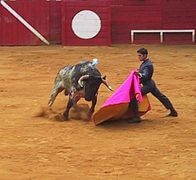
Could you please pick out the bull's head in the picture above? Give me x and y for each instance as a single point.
(91, 85)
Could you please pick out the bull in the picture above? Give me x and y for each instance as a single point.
(78, 81)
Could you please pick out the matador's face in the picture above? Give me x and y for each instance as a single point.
(142, 57)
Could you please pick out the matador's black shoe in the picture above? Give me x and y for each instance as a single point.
(134, 120)
(173, 113)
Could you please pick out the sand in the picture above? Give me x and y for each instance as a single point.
(36, 144)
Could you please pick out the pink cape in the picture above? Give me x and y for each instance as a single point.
(117, 106)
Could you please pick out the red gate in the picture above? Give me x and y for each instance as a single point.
(86, 22)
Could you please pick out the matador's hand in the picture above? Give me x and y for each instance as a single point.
(137, 72)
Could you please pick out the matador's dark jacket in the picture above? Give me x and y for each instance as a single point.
(146, 71)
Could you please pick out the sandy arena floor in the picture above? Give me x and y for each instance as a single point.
(34, 144)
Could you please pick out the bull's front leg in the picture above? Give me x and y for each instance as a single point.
(69, 105)
(92, 109)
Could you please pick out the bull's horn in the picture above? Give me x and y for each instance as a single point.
(82, 78)
(106, 83)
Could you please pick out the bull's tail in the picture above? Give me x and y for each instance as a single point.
(57, 88)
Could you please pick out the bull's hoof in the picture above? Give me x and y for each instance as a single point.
(89, 116)
(59, 117)
(65, 117)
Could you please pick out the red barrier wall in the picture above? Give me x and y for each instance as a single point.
(13, 32)
(178, 14)
(53, 20)
(151, 15)
(135, 14)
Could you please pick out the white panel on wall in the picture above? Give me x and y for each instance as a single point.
(86, 24)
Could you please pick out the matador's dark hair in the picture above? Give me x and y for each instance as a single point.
(142, 51)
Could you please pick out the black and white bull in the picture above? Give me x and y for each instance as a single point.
(79, 81)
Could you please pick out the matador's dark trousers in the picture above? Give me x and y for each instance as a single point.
(150, 86)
